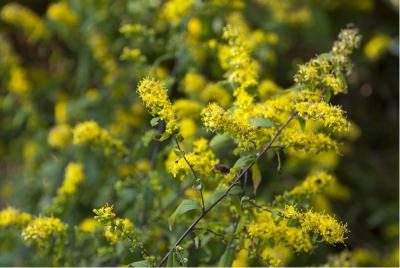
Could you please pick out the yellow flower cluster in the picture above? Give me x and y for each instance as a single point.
(268, 88)
(102, 54)
(193, 83)
(174, 10)
(312, 184)
(105, 214)
(310, 105)
(27, 20)
(216, 119)
(202, 159)
(62, 12)
(115, 228)
(89, 132)
(242, 69)
(325, 71)
(131, 54)
(11, 216)
(187, 108)
(74, 175)
(155, 98)
(88, 225)
(280, 232)
(18, 81)
(349, 39)
(61, 111)
(308, 142)
(326, 226)
(119, 231)
(300, 237)
(42, 230)
(216, 93)
(59, 136)
(187, 128)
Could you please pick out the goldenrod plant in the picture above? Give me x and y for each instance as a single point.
(184, 133)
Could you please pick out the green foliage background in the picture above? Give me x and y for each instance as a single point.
(65, 64)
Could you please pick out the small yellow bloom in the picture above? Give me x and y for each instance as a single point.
(11, 216)
(88, 225)
(42, 229)
(62, 12)
(59, 136)
(155, 98)
(377, 46)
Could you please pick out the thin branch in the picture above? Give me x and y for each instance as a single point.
(193, 172)
(226, 192)
(210, 231)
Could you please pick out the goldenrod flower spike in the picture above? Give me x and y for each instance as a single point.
(155, 97)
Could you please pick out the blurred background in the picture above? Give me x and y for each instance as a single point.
(61, 62)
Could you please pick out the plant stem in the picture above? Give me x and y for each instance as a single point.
(226, 192)
(193, 172)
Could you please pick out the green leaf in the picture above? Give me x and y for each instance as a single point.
(236, 190)
(148, 136)
(212, 197)
(278, 157)
(219, 141)
(328, 95)
(180, 153)
(276, 215)
(184, 207)
(302, 122)
(244, 161)
(142, 263)
(256, 177)
(227, 258)
(154, 121)
(325, 56)
(164, 136)
(172, 260)
(261, 122)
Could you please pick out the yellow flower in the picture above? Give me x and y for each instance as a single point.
(265, 228)
(187, 108)
(329, 228)
(74, 175)
(216, 93)
(61, 112)
(42, 229)
(216, 119)
(131, 54)
(143, 165)
(59, 136)
(11, 216)
(114, 234)
(19, 82)
(194, 28)
(102, 54)
(187, 128)
(88, 225)
(89, 132)
(62, 12)
(155, 98)
(193, 83)
(268, 88)
(27, 20)
(377, 46)
(312, 185)
(174, 10)
(242, 68)
(202, 159)
(241, 259)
